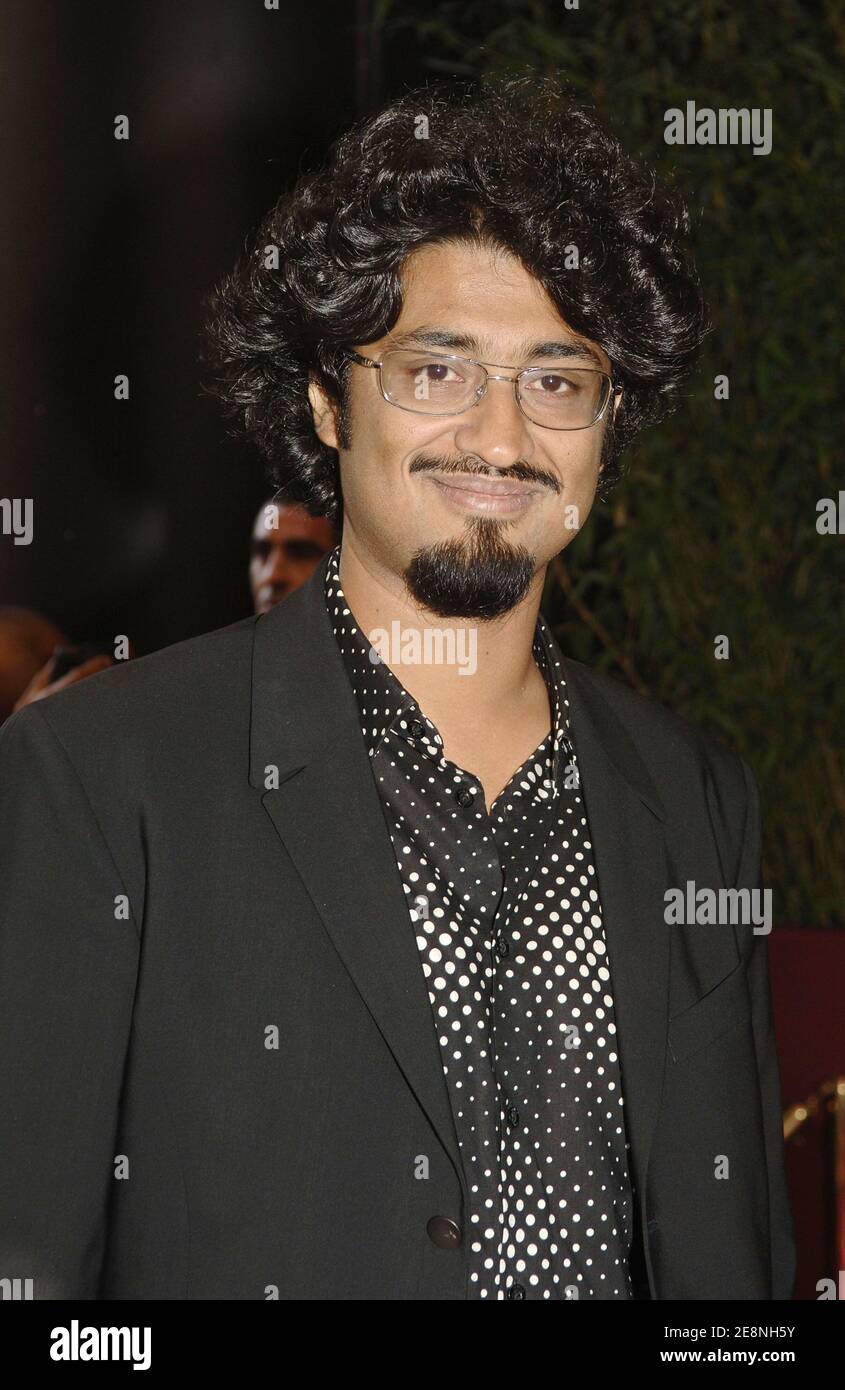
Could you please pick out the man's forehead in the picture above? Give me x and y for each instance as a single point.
(485, 345)
(482, 302)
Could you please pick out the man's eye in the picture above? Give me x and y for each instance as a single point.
(303, 550)
(437, 372)
(552, 384)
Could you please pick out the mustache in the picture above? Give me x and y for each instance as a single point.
(523, 472)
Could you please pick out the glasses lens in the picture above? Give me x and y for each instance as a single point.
(428, 382)
(563, 398)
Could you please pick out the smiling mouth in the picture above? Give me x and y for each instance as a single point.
(474, 492)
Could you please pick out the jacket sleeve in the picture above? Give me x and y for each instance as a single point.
(68, 965)
(780, 1215)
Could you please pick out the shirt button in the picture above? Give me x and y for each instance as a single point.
(512, 1116)
(417, 728)
(444, 1232)
(464, 796)
(502, 947)
(515, 1291)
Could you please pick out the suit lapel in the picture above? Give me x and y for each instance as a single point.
(327, 812)
(626, 818)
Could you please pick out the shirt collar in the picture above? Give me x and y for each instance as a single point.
(382, 699)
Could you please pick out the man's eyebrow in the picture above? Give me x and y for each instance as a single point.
(466, 343)
(563, 347)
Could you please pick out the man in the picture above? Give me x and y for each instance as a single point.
(337, 967)
(286, 546)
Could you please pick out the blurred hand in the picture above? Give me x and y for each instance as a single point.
(41, 685)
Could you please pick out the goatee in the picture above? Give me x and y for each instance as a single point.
(477, 575)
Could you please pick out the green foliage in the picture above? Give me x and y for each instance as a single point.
(713, 530)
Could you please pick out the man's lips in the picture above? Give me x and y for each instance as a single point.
(478, 492)
(271, 593)
(493, 487)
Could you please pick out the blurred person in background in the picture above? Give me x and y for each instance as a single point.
(286, 547)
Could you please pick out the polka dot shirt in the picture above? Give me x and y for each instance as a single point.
(507, 917)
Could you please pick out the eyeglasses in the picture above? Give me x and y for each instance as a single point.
(556, 397)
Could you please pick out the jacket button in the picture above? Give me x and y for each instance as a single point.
(417, 728)
(512, 1116)
(464, 796)
(515, 1291)
(444, 1233)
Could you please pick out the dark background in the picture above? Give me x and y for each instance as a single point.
(143, 508)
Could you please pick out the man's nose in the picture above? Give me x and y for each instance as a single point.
(496, 429)
(278, 565)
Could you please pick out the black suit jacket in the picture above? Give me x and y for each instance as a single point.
(219, 1074)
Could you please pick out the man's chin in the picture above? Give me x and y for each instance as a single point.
(478, 575)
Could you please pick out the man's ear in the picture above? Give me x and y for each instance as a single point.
(323, 414)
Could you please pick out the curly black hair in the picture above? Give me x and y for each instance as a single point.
(517, 164)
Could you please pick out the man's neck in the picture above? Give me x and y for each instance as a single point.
(501, 680)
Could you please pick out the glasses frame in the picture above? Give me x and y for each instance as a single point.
(612, 391)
